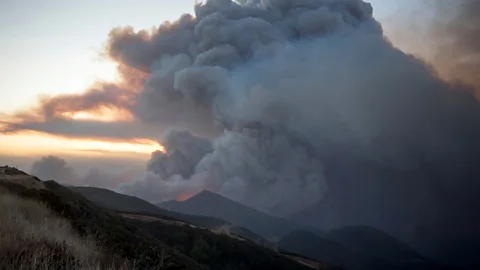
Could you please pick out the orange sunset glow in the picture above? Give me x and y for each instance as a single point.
(35, 143)
(101, 114)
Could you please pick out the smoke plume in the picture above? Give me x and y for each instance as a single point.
(203, 71)
(53, 168)
(293, 84)
(317, 106)
(58, 169)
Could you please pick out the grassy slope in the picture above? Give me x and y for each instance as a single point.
(114, 233)
(220, 252)
(33, 237)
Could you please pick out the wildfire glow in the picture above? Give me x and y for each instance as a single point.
(186, 196)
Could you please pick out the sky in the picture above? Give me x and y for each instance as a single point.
(55, 47)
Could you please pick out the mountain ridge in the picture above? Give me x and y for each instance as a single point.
(207, 203)
(133, 205)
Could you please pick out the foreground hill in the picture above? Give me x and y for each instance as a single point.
(357, 248)
(148, 244)
(207, 203)
(33, 237)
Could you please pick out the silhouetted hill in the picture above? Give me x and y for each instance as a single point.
(460, 248)
(128, 204)
(357, 248)
(115, 201)
(374, 243)
(151, 244)
(207, 203)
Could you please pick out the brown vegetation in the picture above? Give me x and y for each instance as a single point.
(32, 237)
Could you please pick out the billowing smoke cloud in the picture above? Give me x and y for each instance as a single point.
(260, 167)
(315, 104)
(200, 70)
(53, 168)
(58, 169)
(285, 103)
(293, 83)
(184, 153)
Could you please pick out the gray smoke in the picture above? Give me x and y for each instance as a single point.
(53, 168)
(457, 34)
(59, 170)
(184, 152)
(295, 84)
(202, 72)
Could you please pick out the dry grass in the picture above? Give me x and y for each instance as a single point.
(13, 175)
(32, 237)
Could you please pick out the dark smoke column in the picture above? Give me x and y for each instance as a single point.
(309, 112)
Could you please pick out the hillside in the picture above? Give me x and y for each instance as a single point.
(207, 203)
(128, 204)
(380, 245)
(33, 237)
(89, 221)
(115, 201)
(357, 248)
(150, 244)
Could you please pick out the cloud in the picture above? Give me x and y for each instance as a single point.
(88, 129)
(306, 90)
(58, 169)
(53, 168)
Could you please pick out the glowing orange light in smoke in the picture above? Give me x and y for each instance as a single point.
(185, 196)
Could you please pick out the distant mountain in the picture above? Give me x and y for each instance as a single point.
(375, 243)
(357, 248)
(207, 203)
(456, 248)
(129, 204)
(116, 201)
